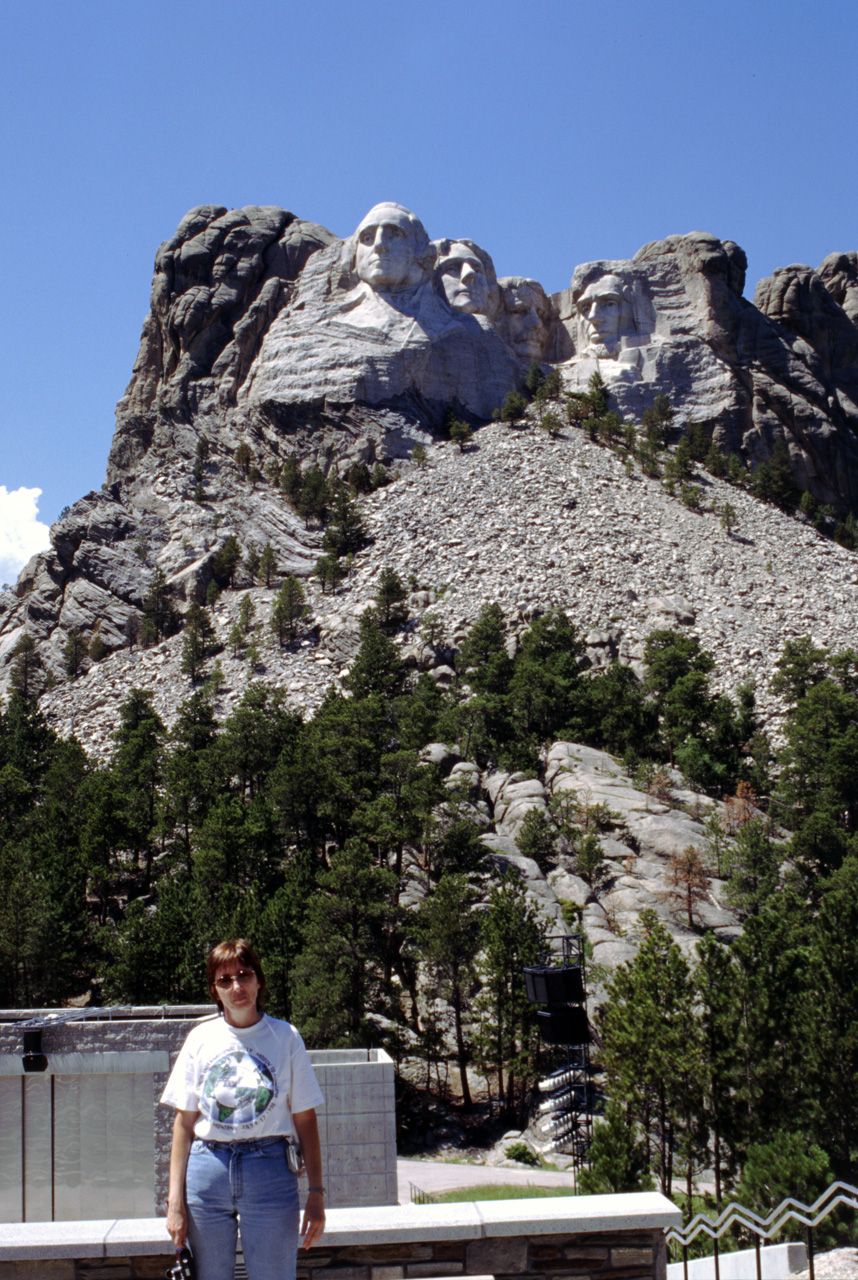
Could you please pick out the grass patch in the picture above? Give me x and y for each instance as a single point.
(502, 1191)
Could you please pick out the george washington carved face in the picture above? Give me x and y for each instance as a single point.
(391, 249)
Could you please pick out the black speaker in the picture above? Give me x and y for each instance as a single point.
(563, 1026)
(554, 986)
(34, 1059)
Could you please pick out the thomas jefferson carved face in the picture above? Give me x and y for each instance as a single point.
(525, 316)
(605, 312)
(392, 250)
(463, 278)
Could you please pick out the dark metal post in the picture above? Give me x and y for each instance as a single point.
(685, 1261)
(810, 1252)
(759, 1260)
(717, 1264)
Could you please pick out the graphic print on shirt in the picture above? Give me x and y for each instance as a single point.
(238, 1088)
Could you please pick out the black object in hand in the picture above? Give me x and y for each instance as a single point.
(184, 1268)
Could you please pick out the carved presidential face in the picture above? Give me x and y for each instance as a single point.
(525, 317)
(464, 280)
(391, 245)
(605, 312)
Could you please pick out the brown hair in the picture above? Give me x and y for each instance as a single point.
(225, 953)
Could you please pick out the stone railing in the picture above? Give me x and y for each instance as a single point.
(586, 1237)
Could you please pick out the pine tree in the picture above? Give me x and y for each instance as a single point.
(389, 600)
(537, 839)
(291, 479)
(687, 880)
(511, 938)
(197, 640)
(74, 653)
(330, 571)
(287, 611)
(252, 560)
(244, 458)
(226, 561)
(752, 864)
(314, 498)
(160, 616)
(267, 564)
(340, 974)
(377, 668)
(345, 532)
(246, 613)
(650, 1043)
(617, 1160)
(137, 764)
(26, 674)
(449, 934)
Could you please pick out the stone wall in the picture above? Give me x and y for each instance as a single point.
(587, 1237)
(626, 1255)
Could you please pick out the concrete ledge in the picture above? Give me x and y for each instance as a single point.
(102, 1063)
(20, 1241)
(383, 1224)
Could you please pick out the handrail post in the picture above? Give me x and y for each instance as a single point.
(810, 1252)
(759, 1260)
(685, 1261)
(717, 1264)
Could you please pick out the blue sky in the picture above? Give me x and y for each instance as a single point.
(552, 133)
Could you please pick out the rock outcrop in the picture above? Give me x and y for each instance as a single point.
(531, 523)
(673, 320)
(268, 332)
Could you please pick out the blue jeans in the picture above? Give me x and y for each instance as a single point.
(252, 1182)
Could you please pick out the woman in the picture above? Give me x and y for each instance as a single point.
(243, 1089)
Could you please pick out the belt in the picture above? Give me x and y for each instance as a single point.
(242, 1142)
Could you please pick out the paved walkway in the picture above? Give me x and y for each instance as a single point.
(436, 1176)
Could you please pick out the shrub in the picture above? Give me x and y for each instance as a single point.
(514, 407)
(460, 433)
(534, 379)
(521, 1152)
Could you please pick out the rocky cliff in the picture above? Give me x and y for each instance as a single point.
(268, 332)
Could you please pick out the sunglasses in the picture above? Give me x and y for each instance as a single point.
(226, 980)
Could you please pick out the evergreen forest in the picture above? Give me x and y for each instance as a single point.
(335, 846)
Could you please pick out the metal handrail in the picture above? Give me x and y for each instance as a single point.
(419, 1196)
(789, 1210)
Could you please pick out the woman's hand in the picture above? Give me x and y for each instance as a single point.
(307, 1129)
(183, 1136)
(314, 1219)
(177, 1225)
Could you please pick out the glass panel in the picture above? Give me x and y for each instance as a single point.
(105, 1146)
(37, 1148)
(11, 1147)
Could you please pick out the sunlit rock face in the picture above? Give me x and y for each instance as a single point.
(369, 323)
(466, 276)
(673, 320)
(269, 332)
(525, 318)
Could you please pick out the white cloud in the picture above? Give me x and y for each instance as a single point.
(22, 534)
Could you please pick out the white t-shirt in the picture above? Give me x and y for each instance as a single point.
(245, 1081)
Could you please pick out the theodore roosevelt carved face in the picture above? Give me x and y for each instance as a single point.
(392, 250)
(524, 317)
